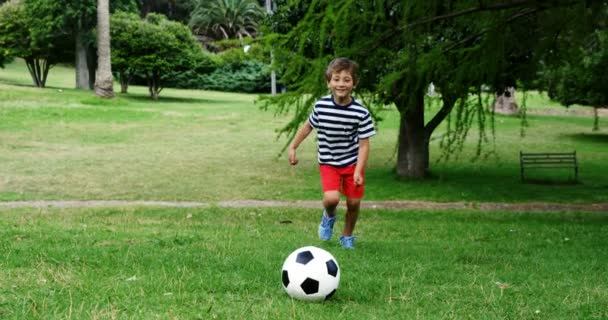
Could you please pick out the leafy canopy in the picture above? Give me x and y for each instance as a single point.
(402, 46)
(226, 19)
(154, 48)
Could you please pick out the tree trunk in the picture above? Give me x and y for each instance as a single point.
(124, 82)
(505, 102)
(154, 85)
(82, 66)
(39, 70)
(596, 119)
(103, 77)
(31, 67)
(92, 65)
(413, 149)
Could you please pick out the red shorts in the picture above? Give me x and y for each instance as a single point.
(341, 179)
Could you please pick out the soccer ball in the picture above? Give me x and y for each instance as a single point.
(311, 274)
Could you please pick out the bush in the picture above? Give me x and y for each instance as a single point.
(247, 77)
(155, 49)
(236, 71)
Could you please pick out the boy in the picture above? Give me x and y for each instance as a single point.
(343, 129)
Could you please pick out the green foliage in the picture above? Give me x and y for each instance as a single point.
(12, 31)
(575, 70)
(33, 30)
(583, 79)
(226, 19)
(234, 71)
(402, 46)
(81, 19)
(248, 76)
(43, 32)
(172, 9)
(155, 49)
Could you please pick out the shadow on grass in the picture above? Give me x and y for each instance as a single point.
(589, 138)
(551, 182)
(13, 82)
(164, 99)
(490, 184)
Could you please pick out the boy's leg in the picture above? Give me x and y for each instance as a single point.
(330, 202)
(354, 194)
(330, 180)
(352, 214)
(347, 240)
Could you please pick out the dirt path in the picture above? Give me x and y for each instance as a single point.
(397, 205)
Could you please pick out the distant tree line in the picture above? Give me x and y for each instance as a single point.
(147, 47)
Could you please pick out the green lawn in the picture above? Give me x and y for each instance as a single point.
(219, 263)
(213, 263)
(61, 143)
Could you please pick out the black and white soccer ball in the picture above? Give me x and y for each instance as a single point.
(311, 273)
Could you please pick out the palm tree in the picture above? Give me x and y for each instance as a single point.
(226, 19)
(103, 76)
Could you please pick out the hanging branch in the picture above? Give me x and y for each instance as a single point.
(481, 8)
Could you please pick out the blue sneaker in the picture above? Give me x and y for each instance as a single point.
(326, 228)
(347, 242)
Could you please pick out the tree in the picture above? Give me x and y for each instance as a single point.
(173, 9)
(103, 77)
(32, 30)
(82, 14)
(123, 33)
(402, 46)
(154, 48)
(582, 77)
(81, 19)
(226, 19)
(9, 31)
(51, 32)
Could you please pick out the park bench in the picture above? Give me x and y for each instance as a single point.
(548, 160)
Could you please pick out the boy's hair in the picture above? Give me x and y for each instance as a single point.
(338, 65)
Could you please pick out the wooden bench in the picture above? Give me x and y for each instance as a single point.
(548, 160)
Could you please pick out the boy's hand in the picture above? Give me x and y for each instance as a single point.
(358, 177)
(292, 157)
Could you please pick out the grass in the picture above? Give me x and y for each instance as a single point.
(219, 263)
(214, 263)
(60, 143)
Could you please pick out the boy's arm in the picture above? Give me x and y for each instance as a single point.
(361, 160)
(300, 136)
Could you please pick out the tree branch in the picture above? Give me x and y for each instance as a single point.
(521, 13)
(445, 110)
(481, 7)
(535, 5)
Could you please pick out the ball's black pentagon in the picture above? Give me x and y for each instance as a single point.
(330, 294)
(332, 267)
(310, 286)
(285, 278)
(304, 257)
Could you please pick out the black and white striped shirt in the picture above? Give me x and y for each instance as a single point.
(339, 129)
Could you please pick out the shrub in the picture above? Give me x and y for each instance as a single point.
(248, 77)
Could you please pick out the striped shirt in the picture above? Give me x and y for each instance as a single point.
(339, 129)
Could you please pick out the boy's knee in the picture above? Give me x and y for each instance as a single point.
(353, 203)
(331, 199)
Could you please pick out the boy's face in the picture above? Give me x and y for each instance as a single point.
(341, 85)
